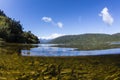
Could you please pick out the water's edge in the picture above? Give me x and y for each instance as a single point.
(48, 50)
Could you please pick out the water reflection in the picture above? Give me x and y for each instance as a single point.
(9, 48)
(48, 50)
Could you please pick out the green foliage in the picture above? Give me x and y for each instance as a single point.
(30, 38)
(12, 31)
(2, 13)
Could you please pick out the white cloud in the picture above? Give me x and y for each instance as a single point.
(106, 16)
(47, 19)
(52, 36)
(60, 24)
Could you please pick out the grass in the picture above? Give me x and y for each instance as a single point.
(15, 67)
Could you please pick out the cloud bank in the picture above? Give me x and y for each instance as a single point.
(106, 16)
(50, 20)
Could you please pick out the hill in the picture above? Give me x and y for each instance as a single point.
(45, 41)
(12, 31)
(88, 41)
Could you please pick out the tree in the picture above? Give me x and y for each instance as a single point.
(30, 38)
(2, 13)
(12, 31)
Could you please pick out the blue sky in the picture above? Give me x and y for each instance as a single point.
(51, 18)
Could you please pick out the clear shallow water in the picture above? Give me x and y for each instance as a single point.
(48, 50)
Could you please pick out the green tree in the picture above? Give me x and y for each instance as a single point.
(30, 38)
(2, 13)
(12, 31)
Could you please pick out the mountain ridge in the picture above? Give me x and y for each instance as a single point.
(88, 41)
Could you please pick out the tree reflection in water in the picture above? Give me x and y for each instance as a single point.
(9, 48)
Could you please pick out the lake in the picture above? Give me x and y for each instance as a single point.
(49, 50)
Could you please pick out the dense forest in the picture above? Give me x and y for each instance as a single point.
(89, 41)
(12, 31)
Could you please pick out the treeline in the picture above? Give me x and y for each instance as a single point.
(12, 31)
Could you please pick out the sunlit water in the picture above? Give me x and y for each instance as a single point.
(48, 50)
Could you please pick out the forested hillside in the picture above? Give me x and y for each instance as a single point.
(12, 31)
(88, 41)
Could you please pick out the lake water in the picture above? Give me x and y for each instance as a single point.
(48, 50)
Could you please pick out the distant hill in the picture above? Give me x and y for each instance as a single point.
(12, 31)
(44, 41)
(87, 40)
(83, 38)
(116, 34)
